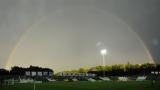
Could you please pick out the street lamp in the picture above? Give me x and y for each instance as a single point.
(103, 53)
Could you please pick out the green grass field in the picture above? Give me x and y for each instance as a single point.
(132, 85)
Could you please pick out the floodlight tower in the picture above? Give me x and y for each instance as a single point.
(103, 53)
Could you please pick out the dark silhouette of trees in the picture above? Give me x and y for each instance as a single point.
(126, 69)
(17, 71)
(20, 71)
(4, 72)
(121, 69)
(114, 70)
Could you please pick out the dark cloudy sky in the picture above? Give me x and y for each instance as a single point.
(67, 34)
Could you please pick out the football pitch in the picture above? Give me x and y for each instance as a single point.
(131, 85)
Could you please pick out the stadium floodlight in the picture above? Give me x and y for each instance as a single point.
(103, 53)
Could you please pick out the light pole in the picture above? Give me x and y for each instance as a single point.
(103, 53)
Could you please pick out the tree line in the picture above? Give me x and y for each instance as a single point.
(121, 69)
(20, 71)
(113, 70)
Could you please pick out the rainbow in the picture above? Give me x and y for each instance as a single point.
(7, 65)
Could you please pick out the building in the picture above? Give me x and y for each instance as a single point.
(77, 75)
(37, 71)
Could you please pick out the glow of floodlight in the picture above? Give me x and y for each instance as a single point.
(104, 52)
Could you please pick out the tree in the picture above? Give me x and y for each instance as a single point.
(82, 70)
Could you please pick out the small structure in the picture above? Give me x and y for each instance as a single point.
(122, 78)
(77, 75)
(141, 78)
(75, 80)
(91, 80)
(155, 72)
(26, 80)
(51, 80)
(105, 78)
(40, 72)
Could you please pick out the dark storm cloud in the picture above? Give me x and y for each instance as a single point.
(16, 16)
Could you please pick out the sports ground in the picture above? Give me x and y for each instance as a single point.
(131, 85)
